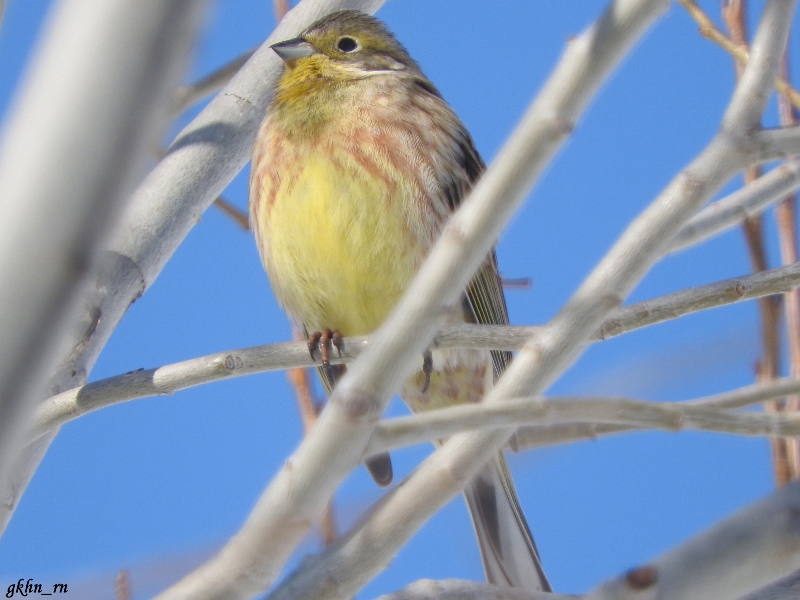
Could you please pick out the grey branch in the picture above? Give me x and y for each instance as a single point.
(778, 143)
(540, 413)
(742, 553)
(738, 206)
(534, 437)
(168, 379)
(787, 588)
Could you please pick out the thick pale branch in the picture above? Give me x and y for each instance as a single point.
(742, 553)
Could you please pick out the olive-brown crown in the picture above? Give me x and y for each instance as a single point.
(360, 40)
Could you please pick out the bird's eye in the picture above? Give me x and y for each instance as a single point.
(347, 44)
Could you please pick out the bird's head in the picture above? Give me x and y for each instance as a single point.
(345, 45)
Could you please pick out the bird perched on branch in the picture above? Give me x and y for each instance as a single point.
(356, 169)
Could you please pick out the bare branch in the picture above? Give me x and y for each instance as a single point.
(629, 414)
(787, 588)
(751, 200)
(534, 437)
(742, 553)
(740, 53)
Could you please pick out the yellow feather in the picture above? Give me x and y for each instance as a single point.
(339, 252)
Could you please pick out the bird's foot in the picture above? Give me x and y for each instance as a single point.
(322, 341)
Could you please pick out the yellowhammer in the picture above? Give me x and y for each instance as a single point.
(356, 168)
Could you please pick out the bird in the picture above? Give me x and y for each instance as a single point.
(356, 168)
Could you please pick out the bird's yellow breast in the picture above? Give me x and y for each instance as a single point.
(335, 236)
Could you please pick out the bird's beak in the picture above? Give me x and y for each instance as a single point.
(292, 50)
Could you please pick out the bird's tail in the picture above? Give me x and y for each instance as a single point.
(507, 548)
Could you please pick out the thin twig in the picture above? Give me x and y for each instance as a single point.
(734, 208)
(231, 210)
(280, 8)
(530, 415)
(122, 585)
(187, 96)
(709, 30)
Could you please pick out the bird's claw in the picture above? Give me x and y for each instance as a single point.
(322, 341)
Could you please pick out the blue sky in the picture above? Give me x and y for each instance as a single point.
(155, 485)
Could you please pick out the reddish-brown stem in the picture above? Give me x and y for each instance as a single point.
(122, 586)
(233, 212)
(281, 7)
(733, 13)
(786, 214)
(300, 379)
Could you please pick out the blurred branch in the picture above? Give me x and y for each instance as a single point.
(66, 170)
(458, 589)
(201, 162)
(742, 553)
(746, 202)
(280, 8)
(122, 586)
(168, 379)
(709, 30)
(787, 588)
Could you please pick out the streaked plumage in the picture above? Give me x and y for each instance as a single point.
(355, 171)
